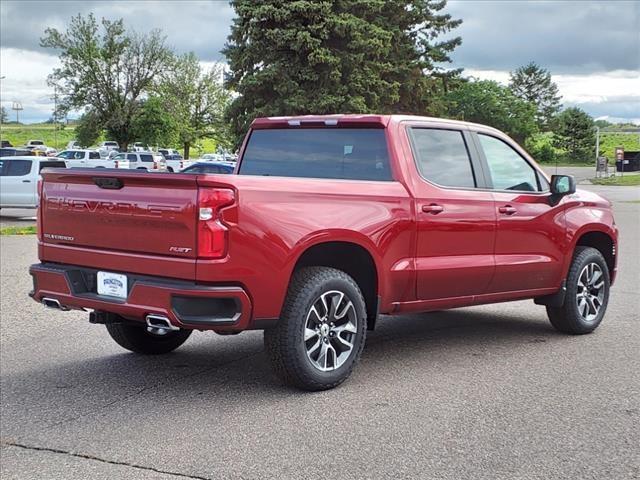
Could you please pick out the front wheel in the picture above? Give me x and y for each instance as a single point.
(321, 332)
(587, 294)
(141, 339)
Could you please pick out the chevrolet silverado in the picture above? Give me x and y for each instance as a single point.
(328, 222)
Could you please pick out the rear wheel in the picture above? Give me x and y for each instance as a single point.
(321, 332)
(587, 294)
(148, 341)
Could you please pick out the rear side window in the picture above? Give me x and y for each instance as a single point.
(94, 156)
(343, 153)
(16, 168)
(131, 157)
(146, 158)
(442, 157)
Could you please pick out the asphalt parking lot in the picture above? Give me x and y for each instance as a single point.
(484, 392)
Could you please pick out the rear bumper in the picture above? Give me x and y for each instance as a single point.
(185, 304)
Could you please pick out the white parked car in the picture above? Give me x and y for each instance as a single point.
(90, 159)
(168, 151)
(73, 145)
(105, 148)
(212, 157)
(143, 161)
(19, 180)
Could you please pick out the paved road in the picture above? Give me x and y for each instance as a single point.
(17, 217)
(485, 392)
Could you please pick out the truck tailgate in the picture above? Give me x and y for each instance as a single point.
(123, 211)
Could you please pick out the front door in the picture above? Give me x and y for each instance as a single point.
(530, 230)
(455, 219)
(16, 183)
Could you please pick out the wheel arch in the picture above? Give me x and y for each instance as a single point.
(354, 259)
(601, 241)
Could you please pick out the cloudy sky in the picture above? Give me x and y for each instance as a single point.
(591, 47)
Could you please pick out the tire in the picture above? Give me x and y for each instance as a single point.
(299, 362)
(584, 307)
(169, 169)
(137, 339)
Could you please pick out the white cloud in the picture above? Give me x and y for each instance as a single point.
(614, 94)
(25, 81)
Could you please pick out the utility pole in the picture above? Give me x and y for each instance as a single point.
(55, 116)
(1, 78)
(17, 106)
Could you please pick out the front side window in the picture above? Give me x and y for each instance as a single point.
(67, 155)
(131, 157)
(339, 153)
(508, 170)
(442, 157)
(94, 156)
(120, 156)
(17, 168)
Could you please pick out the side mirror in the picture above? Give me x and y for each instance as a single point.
(562, 185)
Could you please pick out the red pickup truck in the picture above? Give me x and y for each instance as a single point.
(328, 222)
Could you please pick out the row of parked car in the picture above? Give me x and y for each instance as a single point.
(19, 174)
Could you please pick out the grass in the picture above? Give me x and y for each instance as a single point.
(18, 230)
(568, 164)
(19, 134)
(629, 180)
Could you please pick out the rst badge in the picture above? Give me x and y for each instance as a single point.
(179, 249)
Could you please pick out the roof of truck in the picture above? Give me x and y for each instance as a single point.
(370, 120)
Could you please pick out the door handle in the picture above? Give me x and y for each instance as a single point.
(26, 181)
(432, 208)
(507, 210)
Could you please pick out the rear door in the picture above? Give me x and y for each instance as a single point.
(530, 231)
(455, 216)
(17, 183)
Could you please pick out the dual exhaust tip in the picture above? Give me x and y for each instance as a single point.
(155, 323)
(159, 324)
(54, 303)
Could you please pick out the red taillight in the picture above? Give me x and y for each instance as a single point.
(181, 164)
(39, 211)
(155, 165)
(212, 234)
(117, 164)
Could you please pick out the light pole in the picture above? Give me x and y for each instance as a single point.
(1, 78)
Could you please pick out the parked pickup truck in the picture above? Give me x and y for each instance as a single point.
(329, 222)
(90, 159)
(19, 180)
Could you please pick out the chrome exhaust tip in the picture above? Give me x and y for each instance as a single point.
(159, 324)
(53, 303)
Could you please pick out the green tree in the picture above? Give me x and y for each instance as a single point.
(575, 134)
(88, 129)
(196, 99)
(533, 83)
(347, 56)
(4, 118)
(108, 70)
(492, 104)
(153, 125)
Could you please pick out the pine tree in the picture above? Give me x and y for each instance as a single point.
(533, 84)
(342, 56)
